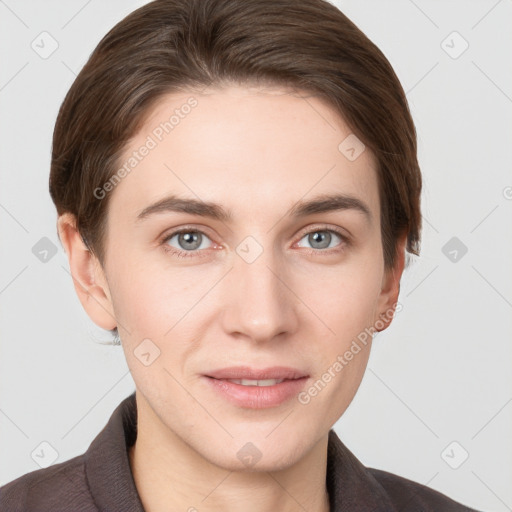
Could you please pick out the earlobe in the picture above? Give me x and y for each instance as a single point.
(87, 273)
(390, 289)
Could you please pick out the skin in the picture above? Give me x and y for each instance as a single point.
(256, 152)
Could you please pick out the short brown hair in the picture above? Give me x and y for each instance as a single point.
(179, 45)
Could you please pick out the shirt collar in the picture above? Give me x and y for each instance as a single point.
(349, 484)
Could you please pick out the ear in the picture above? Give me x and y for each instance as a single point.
(390, 289)
(88, 277)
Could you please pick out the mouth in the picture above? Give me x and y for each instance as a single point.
(249, 382)
(247, 376)
(257, 389)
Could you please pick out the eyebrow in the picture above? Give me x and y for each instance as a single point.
(321, 204)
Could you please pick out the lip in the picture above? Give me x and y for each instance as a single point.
(246, 372)
(257, 397)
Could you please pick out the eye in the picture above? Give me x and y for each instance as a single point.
(186, 242)
(320, 239)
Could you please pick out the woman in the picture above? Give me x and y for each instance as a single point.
(237, 185)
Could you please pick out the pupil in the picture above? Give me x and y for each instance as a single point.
(320, 237)
(190, 238)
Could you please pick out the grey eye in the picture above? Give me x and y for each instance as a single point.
(321, 238)
(188, 240)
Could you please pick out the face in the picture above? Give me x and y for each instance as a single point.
(238, 271)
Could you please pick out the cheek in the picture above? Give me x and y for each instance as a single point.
(344, 298)
(150, 298)
(139, 294)
(345, 305)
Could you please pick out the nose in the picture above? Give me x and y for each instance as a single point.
(260, 303)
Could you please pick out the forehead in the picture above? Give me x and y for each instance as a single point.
(258, 151)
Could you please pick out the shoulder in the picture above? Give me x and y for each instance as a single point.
(49, 489)
(409, 495)
(351, 483)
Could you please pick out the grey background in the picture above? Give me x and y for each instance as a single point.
(442, 371)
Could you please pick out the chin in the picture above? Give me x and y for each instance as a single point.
(259, 455)
(270, 463)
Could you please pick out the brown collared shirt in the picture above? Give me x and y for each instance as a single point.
(101, 480)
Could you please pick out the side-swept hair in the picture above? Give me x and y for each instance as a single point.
(181, 45)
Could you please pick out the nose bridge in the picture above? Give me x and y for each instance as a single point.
(260, 305)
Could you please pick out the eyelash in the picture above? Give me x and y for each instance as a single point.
(201, 253)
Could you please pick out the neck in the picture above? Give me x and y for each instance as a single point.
(170, 475)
